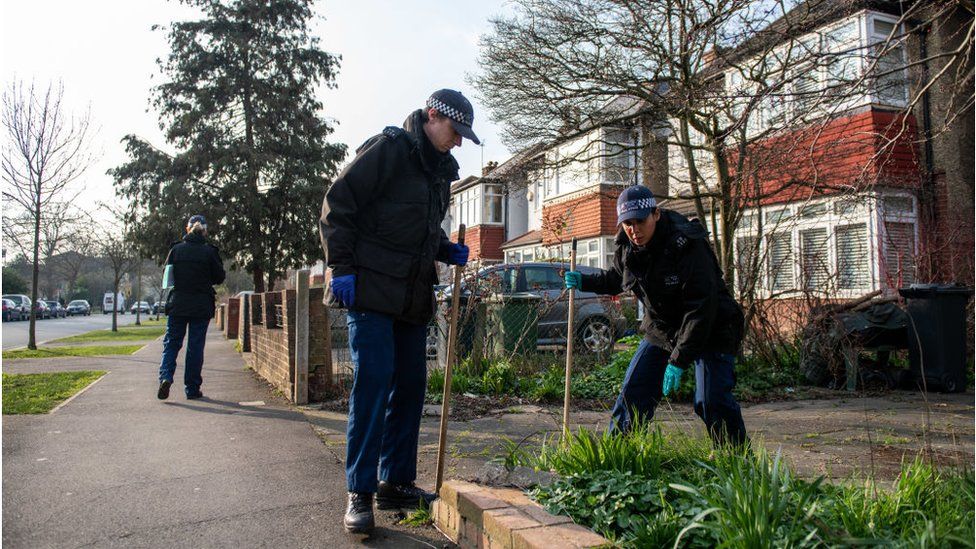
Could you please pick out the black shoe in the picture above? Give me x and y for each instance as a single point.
(163, 392)
(402, 496)
(194, 396)
(359, 513)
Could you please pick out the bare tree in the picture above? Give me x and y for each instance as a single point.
(45, 150)
(116, 248)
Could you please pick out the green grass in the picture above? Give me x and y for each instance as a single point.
(88, 350)
(40, 393)
(419, 517)
(124, 333)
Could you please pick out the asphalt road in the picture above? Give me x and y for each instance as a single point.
(15, 333)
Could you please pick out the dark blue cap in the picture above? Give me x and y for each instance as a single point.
(197, 219)
(635, 202)
(457, 108)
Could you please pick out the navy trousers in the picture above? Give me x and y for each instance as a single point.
(714, 403)
(176, 328)
(387, 400)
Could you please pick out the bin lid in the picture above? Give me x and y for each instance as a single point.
(929, 290)
(518, 296)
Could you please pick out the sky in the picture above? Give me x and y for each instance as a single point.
(394, 54)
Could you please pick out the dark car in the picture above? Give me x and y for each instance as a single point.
(79, 307)
(10, 311)
(599, 321)
(42, 310)
(22, 304)
(57, 310)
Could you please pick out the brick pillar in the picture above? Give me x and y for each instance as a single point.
(232, 324)
(300, 370)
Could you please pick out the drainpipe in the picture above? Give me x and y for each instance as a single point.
(927, 196)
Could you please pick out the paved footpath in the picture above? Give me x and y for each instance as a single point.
(116, 467)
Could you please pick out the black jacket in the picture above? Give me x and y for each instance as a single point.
(381, 220)
(688, 308)
(196, 268)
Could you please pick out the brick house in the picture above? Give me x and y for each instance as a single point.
(873, 203)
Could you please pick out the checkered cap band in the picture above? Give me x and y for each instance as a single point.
(638, 204)
(450, 112)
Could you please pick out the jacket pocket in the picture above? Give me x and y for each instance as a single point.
(382, 279)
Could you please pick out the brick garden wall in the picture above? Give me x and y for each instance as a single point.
(272, 341)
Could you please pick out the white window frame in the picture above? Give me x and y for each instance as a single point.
(487, 195)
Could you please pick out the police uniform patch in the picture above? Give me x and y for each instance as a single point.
(672, 280)
(680, 241)
(393, 132)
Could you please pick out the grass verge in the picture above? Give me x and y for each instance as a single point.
(40, 393)
(88, 350)
(124, 333)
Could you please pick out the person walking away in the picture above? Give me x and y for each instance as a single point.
(690, 321)
(189, 306)
(381, 233)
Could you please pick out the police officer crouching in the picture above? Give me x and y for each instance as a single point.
(690, 317)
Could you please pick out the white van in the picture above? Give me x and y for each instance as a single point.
(108, 303)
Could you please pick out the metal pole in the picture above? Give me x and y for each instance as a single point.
(451, 351)
(570, 338)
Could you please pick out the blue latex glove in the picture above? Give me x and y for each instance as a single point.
(458, 254)
(574, 280)
(344, 288)
(672, 379)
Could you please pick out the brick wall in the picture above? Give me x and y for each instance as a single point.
(272, 341)
(484, 241)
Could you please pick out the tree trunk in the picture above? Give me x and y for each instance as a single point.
(115, 306)
(31, 331)
(257, 277)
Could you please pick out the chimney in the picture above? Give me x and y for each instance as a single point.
(488, 168)
(709, 56)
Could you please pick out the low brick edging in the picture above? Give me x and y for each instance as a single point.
(493, 518)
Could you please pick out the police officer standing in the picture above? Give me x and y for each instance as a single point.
(189, 306)
(690, 318)
(381, 232)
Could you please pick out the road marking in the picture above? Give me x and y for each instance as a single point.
(252, 403)
(59, 406)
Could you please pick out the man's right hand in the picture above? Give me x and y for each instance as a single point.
(344, 288)
(574, 280)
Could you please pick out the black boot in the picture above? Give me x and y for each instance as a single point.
(402, 496)
(359, 513)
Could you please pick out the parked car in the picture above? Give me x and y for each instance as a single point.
(57, 309)
(141, 306)
(22, 303)
(10, 311)
(599, 321)
(158, 307)
(42, 310)
(79, 307)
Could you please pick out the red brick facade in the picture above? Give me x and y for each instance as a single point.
(857, 151)
(586, 216)
(483, 241)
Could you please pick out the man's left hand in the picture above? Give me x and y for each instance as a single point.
(458, 254)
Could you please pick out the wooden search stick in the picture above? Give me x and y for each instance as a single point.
(448, 365)
(570, 337)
